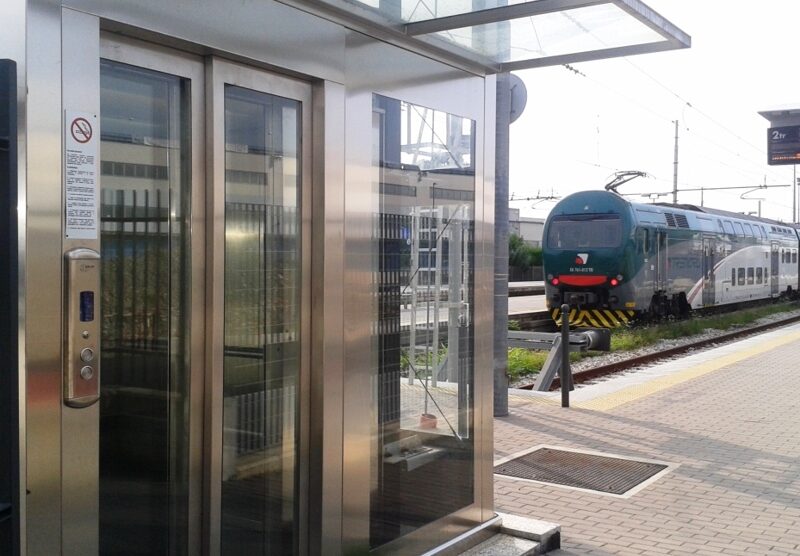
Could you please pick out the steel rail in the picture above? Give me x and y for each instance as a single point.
(619, 366)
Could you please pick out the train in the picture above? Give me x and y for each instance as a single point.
(614, 261)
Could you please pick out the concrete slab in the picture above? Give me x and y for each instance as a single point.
(547, 534)
(505, 545)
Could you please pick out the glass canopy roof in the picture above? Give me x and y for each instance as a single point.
(505, 35)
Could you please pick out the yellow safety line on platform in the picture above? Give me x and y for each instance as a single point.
(632, 393)
(515, 400)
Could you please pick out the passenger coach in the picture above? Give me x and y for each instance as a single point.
(613, 260)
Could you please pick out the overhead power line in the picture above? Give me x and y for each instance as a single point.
(737, 155)
(693, 107)
(539, 198)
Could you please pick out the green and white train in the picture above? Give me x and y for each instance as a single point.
(613, 260)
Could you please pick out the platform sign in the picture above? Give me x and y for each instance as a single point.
(783, 145)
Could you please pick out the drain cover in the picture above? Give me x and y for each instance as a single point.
(612, 475)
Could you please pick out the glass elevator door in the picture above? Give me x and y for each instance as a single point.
(263, 324)
(146, 286)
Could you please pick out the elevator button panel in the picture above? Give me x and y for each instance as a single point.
(81, 327)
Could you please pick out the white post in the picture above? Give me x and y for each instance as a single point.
(438, 216)
(414, 268)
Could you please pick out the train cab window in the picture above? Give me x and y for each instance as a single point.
(733, 277)
(751, 273)
(739, 229)
(740, 276)
(585, 231)
(783, 256)
(766, 274)
(759, 275)
(728, 227)
(749, 230)
(645, 241)
(794, 255)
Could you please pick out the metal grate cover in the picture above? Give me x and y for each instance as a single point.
(575, 469)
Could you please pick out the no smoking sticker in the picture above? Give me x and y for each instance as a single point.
(81, 130)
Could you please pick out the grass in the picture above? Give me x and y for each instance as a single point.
(522, 362)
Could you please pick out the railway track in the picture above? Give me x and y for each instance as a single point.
(633, 362)
(537, 321)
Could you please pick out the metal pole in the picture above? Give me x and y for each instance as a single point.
(503, 122)
(565, 370)
(794, 194)
(675, 170)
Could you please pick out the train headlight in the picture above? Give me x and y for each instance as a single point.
(554, 281)
(614, 281)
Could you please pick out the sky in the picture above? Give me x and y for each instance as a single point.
(583, 124)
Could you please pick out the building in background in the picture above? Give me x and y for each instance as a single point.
(528, 228)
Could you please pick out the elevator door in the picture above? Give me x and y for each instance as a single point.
(260, 167)
(204, 289)
(149, 178)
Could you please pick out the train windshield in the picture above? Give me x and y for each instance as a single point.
(590, 231)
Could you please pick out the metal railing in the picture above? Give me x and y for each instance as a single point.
(560, 345)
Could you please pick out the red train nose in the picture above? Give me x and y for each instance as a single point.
(582, 279)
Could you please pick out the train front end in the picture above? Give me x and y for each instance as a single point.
(587, 247)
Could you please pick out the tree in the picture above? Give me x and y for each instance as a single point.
(521, 255)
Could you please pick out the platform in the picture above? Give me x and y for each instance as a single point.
(525, 288)
(725, 420)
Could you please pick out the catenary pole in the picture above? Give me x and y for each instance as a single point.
(675, 168)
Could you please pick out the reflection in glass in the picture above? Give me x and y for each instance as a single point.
(262, 323)
(144, 238)
(423, 351)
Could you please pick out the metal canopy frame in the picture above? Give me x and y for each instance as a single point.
(421, 37)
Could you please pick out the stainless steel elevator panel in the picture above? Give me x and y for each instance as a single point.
(81, 327)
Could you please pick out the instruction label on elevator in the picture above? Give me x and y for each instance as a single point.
(80, 175)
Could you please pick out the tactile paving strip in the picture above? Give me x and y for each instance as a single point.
(575, 469)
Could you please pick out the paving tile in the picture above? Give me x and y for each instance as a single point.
(734, 435)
